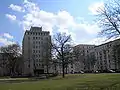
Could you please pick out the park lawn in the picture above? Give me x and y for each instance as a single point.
(70, 82)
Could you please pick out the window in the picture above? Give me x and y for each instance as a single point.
(33, 46)
(41, 38)
(29, 65)
(36, 60)
(28, 38)
(33, 51)
(33, 37)
(33, 56)
(33, 33)
(42, 65)
(110, 45)
(36, 46)
(36, 37)
(36, 55)
(46, 38)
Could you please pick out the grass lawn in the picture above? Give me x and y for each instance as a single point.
(70, 82)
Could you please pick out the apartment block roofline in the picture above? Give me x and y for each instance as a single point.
(36, 29)
(85, 44)
(33, 28)
(97, 45)
(107, 42)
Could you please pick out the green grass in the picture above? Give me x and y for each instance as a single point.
(70, 82)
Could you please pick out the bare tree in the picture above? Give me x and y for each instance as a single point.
(109, 22)
(109, 19)
(60, 42)
(13, 54)
(68, 56)
(68, 53)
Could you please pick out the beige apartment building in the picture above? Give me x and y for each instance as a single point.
(106, 58)
(36, 51)
(101, 58)
(82, 51)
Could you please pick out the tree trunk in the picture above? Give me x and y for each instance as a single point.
(55, 68)
(47, 69)
(63, 67)
(66, 69)
(12, 71)
(63, 63)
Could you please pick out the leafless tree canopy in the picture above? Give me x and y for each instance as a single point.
(62, 47)
(109, 19)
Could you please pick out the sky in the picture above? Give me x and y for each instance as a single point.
(74, 17)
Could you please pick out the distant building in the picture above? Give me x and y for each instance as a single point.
(81, 51)
(36, 51)
(100, 58)
(106, 58)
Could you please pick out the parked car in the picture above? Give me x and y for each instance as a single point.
(111, 71)
(81, 72)
(96, 71)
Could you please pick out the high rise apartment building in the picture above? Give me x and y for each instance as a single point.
(36, 50)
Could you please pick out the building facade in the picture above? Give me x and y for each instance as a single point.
(100, 58)
(106, 57)
(91, 58)
(36, 51)
(80, 60)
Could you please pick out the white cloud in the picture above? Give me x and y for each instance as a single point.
(61, 21)
(95, 7)
(5, 41)
(11, 17)
(16, 8)
(7, 35)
